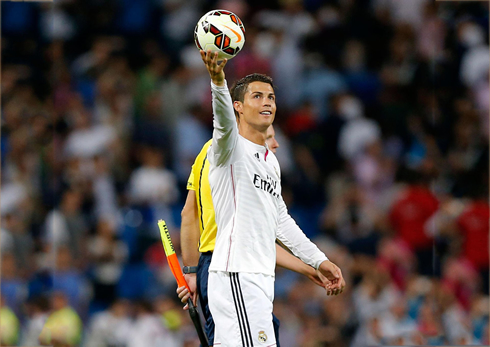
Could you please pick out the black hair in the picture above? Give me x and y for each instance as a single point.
(238, 90)
(240, 87)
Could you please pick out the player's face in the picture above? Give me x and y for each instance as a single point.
(259, 105)
(271, 139)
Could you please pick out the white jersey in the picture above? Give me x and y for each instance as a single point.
(245, 180)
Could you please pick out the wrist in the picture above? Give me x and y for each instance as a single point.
(187, 270)
(309, 271)
(319, 264)
(219, 83)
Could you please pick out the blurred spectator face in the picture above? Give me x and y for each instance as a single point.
(465, 134)
(396, 250)
(270, 139)
(418, 339)
(486, 335)
(152, 157)
(375, 327)
(181, 74)
(63, 259)
(354, 195)
(9, 267)
(106, 85)
(120, 308)
(164, 304)
(470, 34)
(380, 279)
(427, 318)
(58, 301)
(239, 7)
(336, 310)
(445, 296)
(105, 228)
(72, 200)
(354, 55)
(9, 79)
(374, 149)
(153, 106)
(18, 144)
(399, 308)
(101, 49)
(13, 223)
(349, 107)
(12, 113)
(81, 119)
(159, 65)
(40, 125)
(143, 308)
(40, 305)
(464, 340)
(419, 286)
(402, 43)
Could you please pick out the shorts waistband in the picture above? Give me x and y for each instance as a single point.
(209, 253)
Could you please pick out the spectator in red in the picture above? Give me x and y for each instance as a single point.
(409, 216)
(395, 255)
(473, 224)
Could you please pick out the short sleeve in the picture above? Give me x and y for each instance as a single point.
(191, 185)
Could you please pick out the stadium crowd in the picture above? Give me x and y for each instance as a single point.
(383, 126)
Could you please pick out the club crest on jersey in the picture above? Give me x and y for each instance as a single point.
(257, 156)
(262, 336)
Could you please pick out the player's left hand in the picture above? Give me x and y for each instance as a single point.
(316, 277)
(332, 278)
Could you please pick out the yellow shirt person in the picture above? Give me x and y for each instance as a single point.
(199, 183)
(9, 327)
(63, 327)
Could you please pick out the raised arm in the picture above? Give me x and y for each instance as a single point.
(225, 133)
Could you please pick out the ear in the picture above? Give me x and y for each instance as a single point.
(238, 106)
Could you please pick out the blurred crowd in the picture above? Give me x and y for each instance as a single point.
(383, 126)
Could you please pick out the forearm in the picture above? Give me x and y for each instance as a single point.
(294, 239)
(189, 231)
(288, 261)
(225, 129)
(224, 116)
(189, 245)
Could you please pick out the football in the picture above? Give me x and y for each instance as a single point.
(220, 31)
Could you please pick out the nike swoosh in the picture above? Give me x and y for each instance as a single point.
(234, 32)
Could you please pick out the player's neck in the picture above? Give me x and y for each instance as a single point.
(252, 134)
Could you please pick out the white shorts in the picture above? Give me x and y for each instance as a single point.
(241, 305)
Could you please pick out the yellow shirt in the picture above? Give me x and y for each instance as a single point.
(9, 327)
(63, 325)
(199, 182)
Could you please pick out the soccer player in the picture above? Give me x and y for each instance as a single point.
(250, 213)
(199, 227)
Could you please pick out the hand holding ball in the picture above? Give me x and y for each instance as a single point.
(220, 31)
